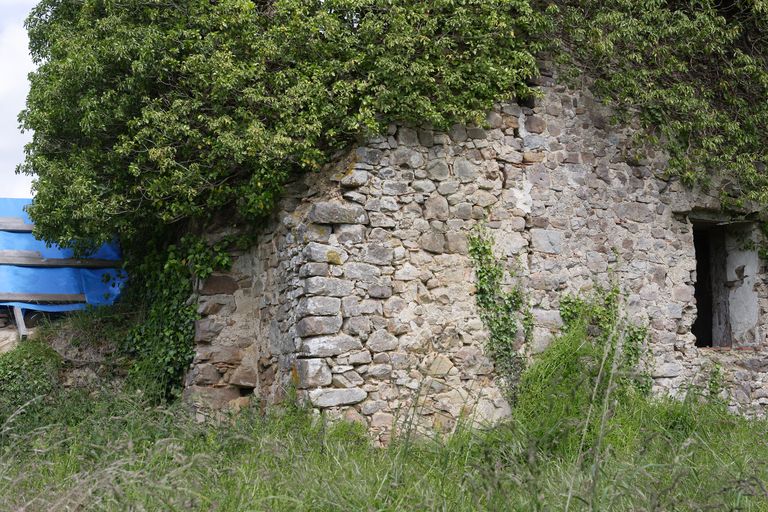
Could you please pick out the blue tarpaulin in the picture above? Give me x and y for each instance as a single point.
(26, 242)
(99, 286)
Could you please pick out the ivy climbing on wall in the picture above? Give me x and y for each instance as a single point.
(150, 117)
(503, 310)
(598, 353)
(146, 114)
(162, 340)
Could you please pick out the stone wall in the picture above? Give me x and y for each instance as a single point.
(360, 291)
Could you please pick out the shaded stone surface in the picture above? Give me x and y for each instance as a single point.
(316, 325)
(313, 373)
(317, 306)
(331, 212)
(207, 330)
(219, 284)
(331, 286)
(547, 240)
(381, 341)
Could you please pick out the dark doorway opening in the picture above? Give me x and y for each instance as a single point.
(702, 327)
(712, 325)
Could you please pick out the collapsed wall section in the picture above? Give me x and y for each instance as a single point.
(360, 292)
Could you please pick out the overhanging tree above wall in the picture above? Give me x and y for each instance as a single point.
(147, 113)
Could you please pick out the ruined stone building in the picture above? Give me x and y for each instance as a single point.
(361, 291)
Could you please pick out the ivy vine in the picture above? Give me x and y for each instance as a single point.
(690, 71)
(503, 310)
(162, 340)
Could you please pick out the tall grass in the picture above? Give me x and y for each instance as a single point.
(582, 437)
(86, 451)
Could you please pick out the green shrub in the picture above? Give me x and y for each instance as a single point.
(594, 361)
(26, 372)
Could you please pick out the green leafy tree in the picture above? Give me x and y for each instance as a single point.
(694, 71)
(150, 113)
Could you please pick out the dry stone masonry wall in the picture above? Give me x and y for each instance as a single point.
(360, 292)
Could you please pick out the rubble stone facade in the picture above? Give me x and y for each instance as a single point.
(360, 290)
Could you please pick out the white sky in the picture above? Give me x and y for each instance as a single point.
(15, 64)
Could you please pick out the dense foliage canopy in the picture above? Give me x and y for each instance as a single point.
(696, 72)
(150, 112)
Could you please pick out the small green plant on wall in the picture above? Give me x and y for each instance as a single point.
(503, 310)
(716, 383)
